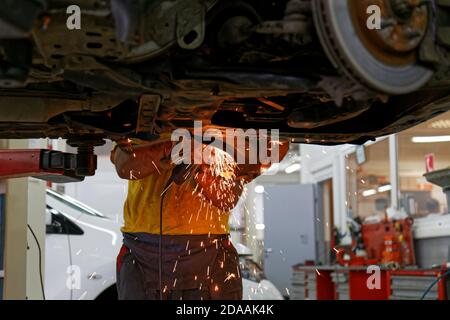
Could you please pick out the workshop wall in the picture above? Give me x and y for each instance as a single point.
(321, 163)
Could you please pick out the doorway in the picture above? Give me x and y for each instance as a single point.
(289, 239)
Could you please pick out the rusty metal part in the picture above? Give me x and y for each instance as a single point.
(148, 109)
(272, 104)
(403, 27)
(191, 25)
(435, 48)
(168, 23)
(339, 88)
(325, 115)
(39, 108)
(296, 26)
(283, 27)
(95, 39)
(86, 160)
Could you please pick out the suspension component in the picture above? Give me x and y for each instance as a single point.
(296, 24)
(86, 160)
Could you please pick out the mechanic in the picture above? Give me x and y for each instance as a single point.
(198, 262)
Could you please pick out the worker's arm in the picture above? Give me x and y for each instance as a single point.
(250, 172)
(134, 162)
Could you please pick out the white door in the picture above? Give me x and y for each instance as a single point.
(289, 235)
(57, 260)
(94, 256)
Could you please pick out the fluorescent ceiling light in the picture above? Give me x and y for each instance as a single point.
(260, 226)
(430, 139)
(293, 168)
(385, 188)
(259, 189)
(440, 124)
(369, 192)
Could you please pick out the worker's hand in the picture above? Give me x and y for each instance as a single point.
(125, 145)
(222, 190)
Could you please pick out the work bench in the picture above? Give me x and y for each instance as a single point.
(336, 282)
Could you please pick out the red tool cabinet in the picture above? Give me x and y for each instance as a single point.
(319, 283)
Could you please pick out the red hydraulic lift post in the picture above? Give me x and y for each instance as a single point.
(17, 163)
(44, 164)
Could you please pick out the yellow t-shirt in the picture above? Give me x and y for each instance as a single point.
(184, 211)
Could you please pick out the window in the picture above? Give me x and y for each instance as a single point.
(74, 204)
(368, 180)
(418, 197)
(60, 224)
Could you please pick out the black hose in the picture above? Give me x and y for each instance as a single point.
(160, 244)
(40, 261)
(442, 276)
(161, 235)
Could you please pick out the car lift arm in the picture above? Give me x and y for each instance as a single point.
(50, 165)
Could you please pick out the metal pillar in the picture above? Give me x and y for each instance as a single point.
(393, 160)
(25, 205)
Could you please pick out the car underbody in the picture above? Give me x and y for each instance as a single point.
(310, 68)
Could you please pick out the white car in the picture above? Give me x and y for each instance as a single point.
(80, 251)
(81, 248)
(254, 282)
